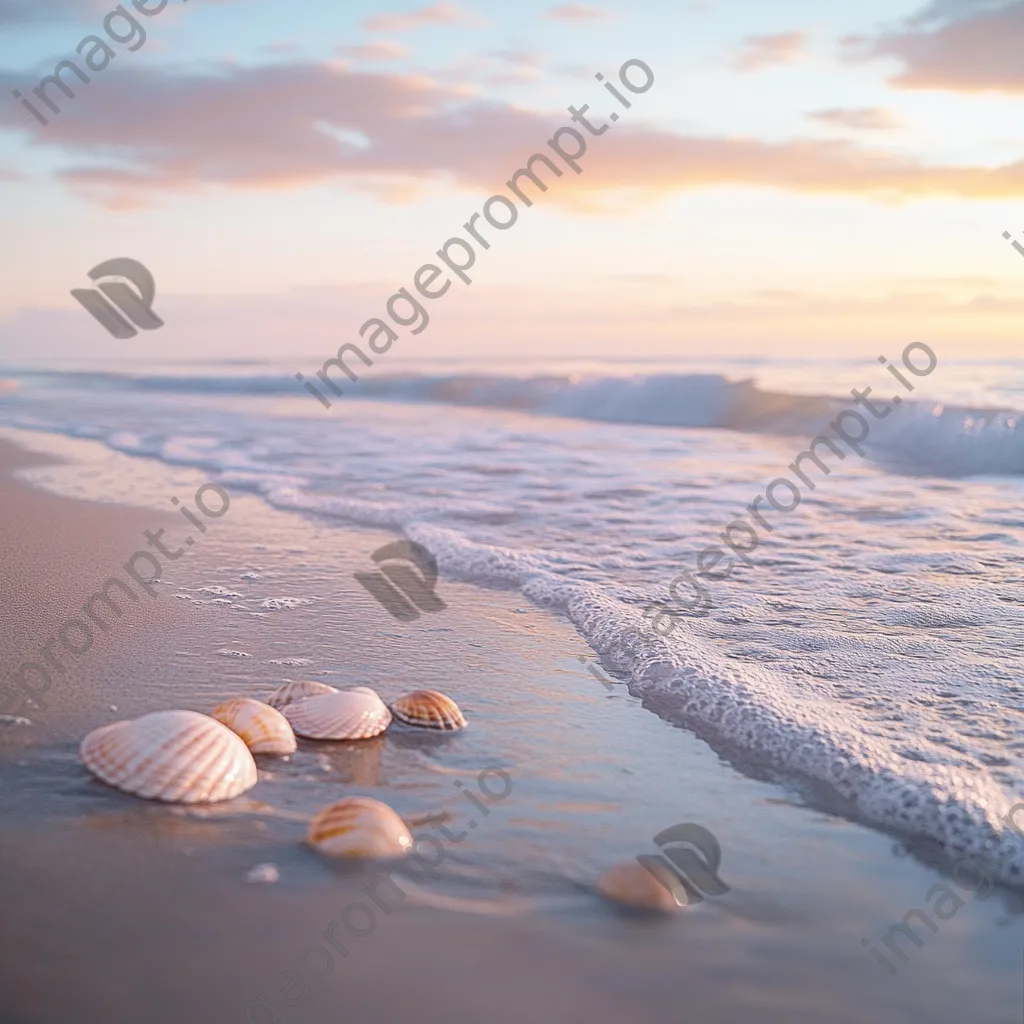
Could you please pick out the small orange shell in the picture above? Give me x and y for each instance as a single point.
(429, 710)
(291, 692)
(631, 885)
(354, 714)
(175, 756)
(359, 827)
(263, 728)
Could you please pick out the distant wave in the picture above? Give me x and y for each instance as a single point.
(919, 437)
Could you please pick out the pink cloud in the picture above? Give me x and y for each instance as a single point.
(436, 14)
(956, 45)
(857, 119)
(576, 12)
(383, 50)
(293, 125)
(768, 51)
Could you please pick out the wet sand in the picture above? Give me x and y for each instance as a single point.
(116, 910)
(55, 554)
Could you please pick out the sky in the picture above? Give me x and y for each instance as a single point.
(799, 178)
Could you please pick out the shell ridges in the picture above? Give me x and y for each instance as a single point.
(359, 827)
(263, 729)
(428, 709)
(292, 692)
(173, 756)
(356, 714)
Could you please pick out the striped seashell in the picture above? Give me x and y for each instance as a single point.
(633, 886)
(263, 728)
(175, 756)
(346, 715)
(291, 692)
(428, 709)
(359, 827)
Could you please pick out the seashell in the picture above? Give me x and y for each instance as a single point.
(176, 756)
(345, 715)
(429, 710)
(359, 827)
(291, 692)
(263, 728)
(632, 885)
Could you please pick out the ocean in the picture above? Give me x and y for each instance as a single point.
(869, 648)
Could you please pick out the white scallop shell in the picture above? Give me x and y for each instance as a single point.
(346, 715)
(176, 756)
(263, 728)
(291, 692)
(631, 885)
(359, 827)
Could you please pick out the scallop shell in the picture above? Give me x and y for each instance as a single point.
(634, 886)
(263, 728)
(359, 827)
(429, 710)
(291, 692)
(346, 715)
(175, 756)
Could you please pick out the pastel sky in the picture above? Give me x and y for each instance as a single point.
(801, 178)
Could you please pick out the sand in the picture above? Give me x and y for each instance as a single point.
(55, 553)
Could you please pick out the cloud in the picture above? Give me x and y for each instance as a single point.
(955, 45)
(768, 51)
(14, 12)
(576, 12)
(135, 135)
(515, 67)
(858, 119)
(383, 50)
(518, 318)
(279, 48)
(947, 10)
(436, 14)
(521, 58)
(26, 12)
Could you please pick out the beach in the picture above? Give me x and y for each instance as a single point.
(120, 910)
(511, 512)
